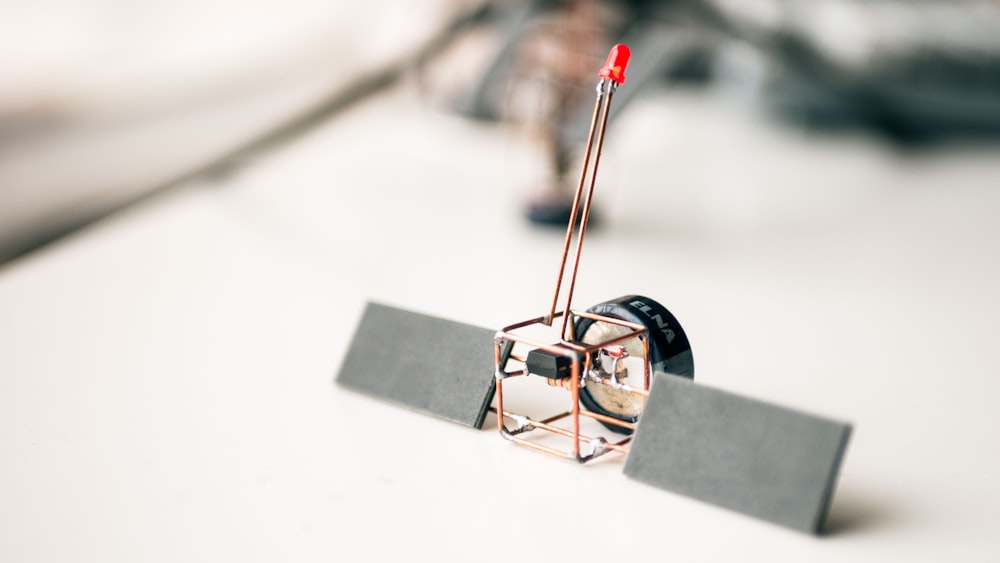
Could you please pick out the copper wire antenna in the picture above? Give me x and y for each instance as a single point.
(612, 75)
(571, 363)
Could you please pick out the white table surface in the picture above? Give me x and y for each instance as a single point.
(166, 376)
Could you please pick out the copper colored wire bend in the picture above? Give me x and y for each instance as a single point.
(580, 355)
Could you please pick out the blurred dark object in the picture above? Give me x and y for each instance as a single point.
(546, 50)
(912, 71)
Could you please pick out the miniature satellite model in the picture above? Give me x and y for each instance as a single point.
(627, 364)
(592, 358)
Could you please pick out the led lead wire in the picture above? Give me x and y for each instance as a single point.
(612, 75)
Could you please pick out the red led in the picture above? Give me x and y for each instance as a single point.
(614, 67)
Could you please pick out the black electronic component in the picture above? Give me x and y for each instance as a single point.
(548, 364)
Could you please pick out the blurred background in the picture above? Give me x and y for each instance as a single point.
(103, 102)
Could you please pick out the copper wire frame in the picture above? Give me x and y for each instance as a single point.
(580, 355)
(581, 358)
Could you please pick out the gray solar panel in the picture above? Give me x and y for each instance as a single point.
(427, 364)
(757, 458)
